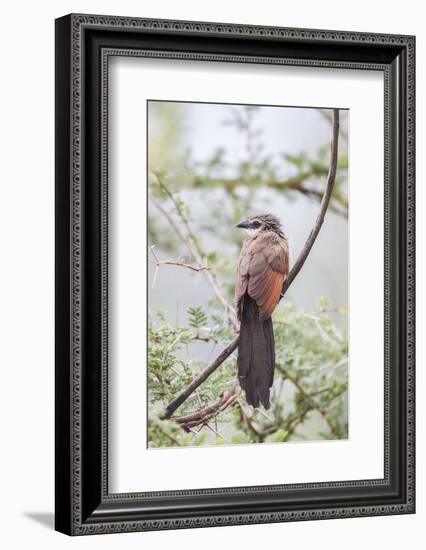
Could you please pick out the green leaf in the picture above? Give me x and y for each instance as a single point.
(197, 317)
(200, 439)
(277, 437)
(240, 437)
(323, 302)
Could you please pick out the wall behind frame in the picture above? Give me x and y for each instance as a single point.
(26, 289)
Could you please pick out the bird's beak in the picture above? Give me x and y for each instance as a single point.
(244, 224)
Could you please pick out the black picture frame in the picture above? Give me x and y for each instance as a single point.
(83, 45)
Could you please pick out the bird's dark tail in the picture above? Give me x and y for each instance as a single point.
(256, 354)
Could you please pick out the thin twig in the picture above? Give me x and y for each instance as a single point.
(339, 204)
(248, 421)
(168, 435)
(200, 338)
(186, 392)
(189, 240)
(323, 206)
(198, 380)
(263, 413)
(204, 414)
(216, 432)
(180, 264)
(329, 116)
(309, 397)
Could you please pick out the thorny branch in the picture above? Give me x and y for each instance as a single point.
(198, 380)
(186, 392)
(191, 243)
(323, 206)
(294, 420)
(339, 206)
(203, 415)
(179, 262)
(312, 401)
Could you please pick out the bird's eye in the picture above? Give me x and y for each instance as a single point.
(256, 223)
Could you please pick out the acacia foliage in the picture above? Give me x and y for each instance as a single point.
(309, 397)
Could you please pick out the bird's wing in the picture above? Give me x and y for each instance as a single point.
(267, 269)
(242, 276)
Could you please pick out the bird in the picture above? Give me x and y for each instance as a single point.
(262, 270)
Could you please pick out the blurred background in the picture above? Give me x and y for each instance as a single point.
(210, 166)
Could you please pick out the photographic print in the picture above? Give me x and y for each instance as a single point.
(234, 274)
(247, 292)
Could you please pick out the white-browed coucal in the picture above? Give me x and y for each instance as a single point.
(262, 269)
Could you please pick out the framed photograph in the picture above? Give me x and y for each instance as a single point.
(234, 274)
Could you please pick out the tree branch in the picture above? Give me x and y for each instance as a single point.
(297, 183)
(189, 240)
(198, 380)
(179, 263)
(314, 404)
(186, 392)
(323, 206)
(203, 415)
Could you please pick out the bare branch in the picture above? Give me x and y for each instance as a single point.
(248, 421)
(203, 415)
(329, 116)
(180, 264)
(216, 432)
(189, 239)
(313, 403)
(186, 392)
(198, 380)
(323, 206)
(338, 204)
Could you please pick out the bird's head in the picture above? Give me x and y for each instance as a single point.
(261, 222)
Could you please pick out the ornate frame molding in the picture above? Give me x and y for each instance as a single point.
(73, 48)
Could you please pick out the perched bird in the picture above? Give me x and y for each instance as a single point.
(262, 269)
